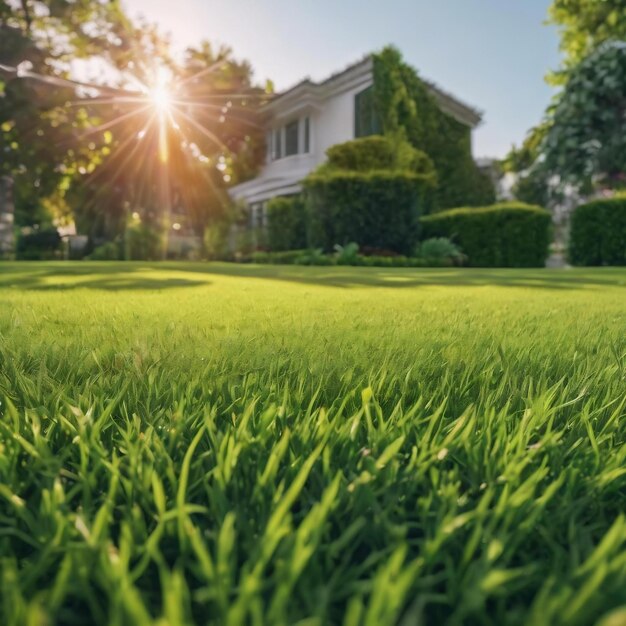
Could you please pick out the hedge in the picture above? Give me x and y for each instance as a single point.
(378, 209)
(316, 257)
(286, 224)
(598, 233)
(500, 235)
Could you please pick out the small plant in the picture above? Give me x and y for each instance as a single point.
(348, 254)
(439, 249)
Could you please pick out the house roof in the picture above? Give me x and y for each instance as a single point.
(317, 90)
(449, 103)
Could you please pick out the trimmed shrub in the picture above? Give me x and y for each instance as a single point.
(288, 257)
(286, 224)
(373, 153)
(362, 155)
(317, 257)
(502, 235)
(403, 261)
(598, 233)
(376, 209)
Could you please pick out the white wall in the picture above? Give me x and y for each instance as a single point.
(331, 122)
(331, 125)
(336, 121)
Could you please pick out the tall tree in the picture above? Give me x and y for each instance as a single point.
(584, 25)
(586, 139)
(579, 139)
(100, 147)
(184, 151)
(40, 137)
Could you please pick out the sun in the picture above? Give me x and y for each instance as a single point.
(160, 93)
(161, 97)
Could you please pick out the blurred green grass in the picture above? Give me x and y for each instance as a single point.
(229, 444)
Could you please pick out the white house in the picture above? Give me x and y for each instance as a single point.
(306, 120)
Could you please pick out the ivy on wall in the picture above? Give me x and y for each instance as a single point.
(407, 109)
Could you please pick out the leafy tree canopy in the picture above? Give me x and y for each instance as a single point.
(574, 141)
(586, 139)
(67, 144)
(583, 25)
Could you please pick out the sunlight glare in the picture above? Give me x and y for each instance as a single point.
(160, 93)
(161, 98)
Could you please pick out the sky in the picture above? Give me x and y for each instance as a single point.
(492, 54)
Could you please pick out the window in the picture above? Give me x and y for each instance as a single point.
(278, 144)
(257, 215)
(307, 135)
(270, 146)
(291, 138)
(366, 121)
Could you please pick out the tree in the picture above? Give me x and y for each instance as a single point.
(40, 137)
(586, 139)
(91, 145)
(583, 26)
(573, 144)
(209, 127)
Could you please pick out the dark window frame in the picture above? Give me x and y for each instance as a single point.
(278, 144)
(307, 135)
(292, 138)
(366, 119)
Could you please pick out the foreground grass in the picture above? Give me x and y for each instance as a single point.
(255, 445)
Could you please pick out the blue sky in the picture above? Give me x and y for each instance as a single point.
(493, 54)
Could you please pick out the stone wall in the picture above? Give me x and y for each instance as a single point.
(7, 237)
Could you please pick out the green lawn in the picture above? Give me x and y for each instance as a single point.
(226, 445)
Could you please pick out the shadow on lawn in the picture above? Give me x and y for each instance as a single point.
(145, 276)
(401, 278)
(109, 277)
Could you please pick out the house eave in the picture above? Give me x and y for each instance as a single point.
(451, 105)
(314, 93)
(361, 73)
(261, 189)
